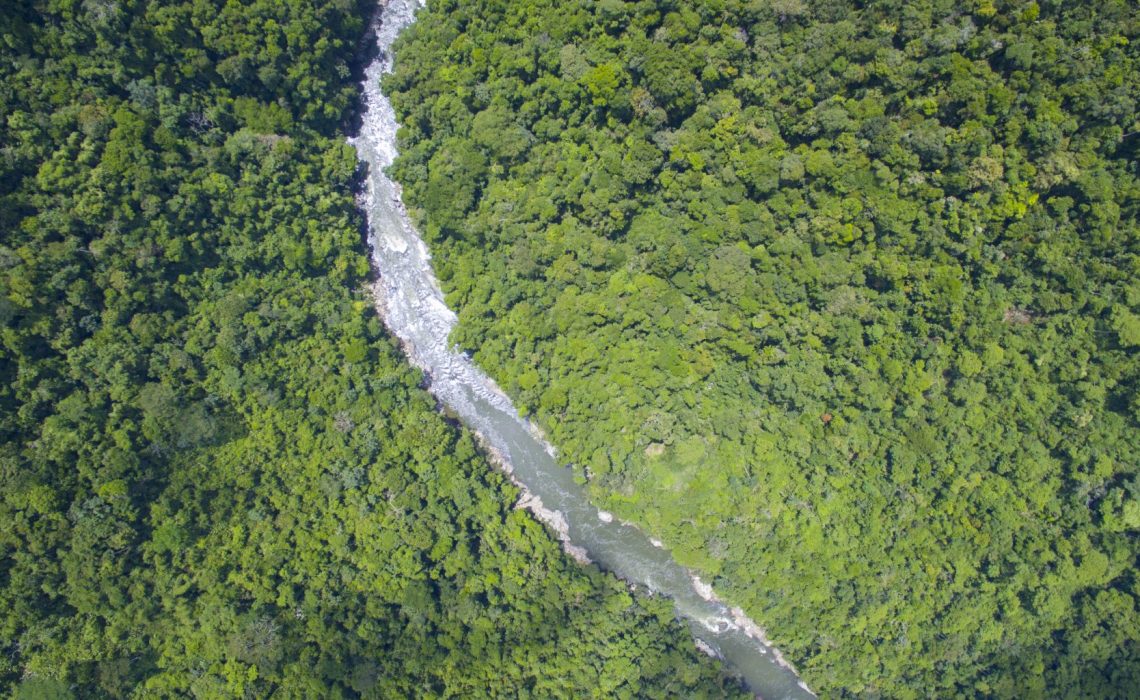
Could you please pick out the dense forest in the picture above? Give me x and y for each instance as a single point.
(219, 477)
(839, 299)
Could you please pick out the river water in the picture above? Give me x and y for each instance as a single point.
(410, 301)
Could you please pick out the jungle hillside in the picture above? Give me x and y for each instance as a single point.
(840, 300)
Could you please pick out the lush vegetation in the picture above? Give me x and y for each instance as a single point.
(840, 299)
(219, 479)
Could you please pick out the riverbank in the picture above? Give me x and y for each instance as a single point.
(411, 304)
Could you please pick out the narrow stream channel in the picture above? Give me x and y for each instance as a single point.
(410, 301)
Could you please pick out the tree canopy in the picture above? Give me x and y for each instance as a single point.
(839, 299)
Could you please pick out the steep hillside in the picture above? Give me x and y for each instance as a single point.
(841, 300)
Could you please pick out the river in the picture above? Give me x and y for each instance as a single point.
(409, 299)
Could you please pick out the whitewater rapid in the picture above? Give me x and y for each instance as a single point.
(412, 306)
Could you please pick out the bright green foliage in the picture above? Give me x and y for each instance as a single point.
(219, 479)
(838, 299)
